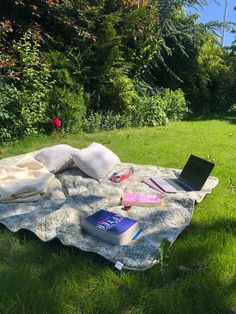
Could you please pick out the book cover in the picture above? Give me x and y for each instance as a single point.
(139, 199)
(110, 227)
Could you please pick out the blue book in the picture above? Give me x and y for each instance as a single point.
(111, 227)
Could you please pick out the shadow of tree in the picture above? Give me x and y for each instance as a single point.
(49, 277)
(32, 273)
(196, 274)
(227, 116)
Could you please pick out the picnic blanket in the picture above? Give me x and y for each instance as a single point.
(71, 195)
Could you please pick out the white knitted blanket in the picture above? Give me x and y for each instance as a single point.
(23, 181)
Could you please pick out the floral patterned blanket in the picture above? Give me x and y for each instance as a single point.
(71, 195)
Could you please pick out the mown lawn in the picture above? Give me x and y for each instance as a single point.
(200, 274)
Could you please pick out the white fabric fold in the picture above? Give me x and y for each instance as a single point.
(24, 181)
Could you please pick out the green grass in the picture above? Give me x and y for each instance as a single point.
(37, 277)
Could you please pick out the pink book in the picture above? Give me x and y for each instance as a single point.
(138, 199)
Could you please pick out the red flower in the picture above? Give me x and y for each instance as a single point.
(56, 123)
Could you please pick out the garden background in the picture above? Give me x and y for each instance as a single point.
(109, 64)
(122, 71)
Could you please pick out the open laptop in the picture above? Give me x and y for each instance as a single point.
(192, 178)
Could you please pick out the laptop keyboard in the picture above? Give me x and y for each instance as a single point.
(178, 185)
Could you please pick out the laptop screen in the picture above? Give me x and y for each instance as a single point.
(195, 172)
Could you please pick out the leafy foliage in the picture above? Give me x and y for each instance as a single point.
(10, 124)
(230, 84)
(77, 59)
(67, 98)
(110, 84)
(34, 83)
(157, 109)
(175, 104)
(106, 121)
(149, 110)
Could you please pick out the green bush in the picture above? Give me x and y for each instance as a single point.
(106, 121)
(118, 92)
(157, 109)
(148, 111)
(35, 83)
(174, 103)
(10, 120)
(68, 106)
(145, 111)
(92, 123)
(68, 100)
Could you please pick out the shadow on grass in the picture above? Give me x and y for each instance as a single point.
(35, 275)
(227, 116)
(200, 262)
(48, 277)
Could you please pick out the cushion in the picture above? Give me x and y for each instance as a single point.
(56, 158)
(96, 160)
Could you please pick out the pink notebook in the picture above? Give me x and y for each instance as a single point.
(152, 185)
(139, 199)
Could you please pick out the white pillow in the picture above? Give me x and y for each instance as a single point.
(96, 160)
(56, 158)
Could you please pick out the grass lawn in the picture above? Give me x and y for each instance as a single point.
(200, 274)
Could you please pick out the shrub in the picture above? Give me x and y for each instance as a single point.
(106, 121)
(148, 111)
(175, 105)
(69, 106)
(151, 110)
(118, 93)
(10, 122)
(35, 83)
(67, 98)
